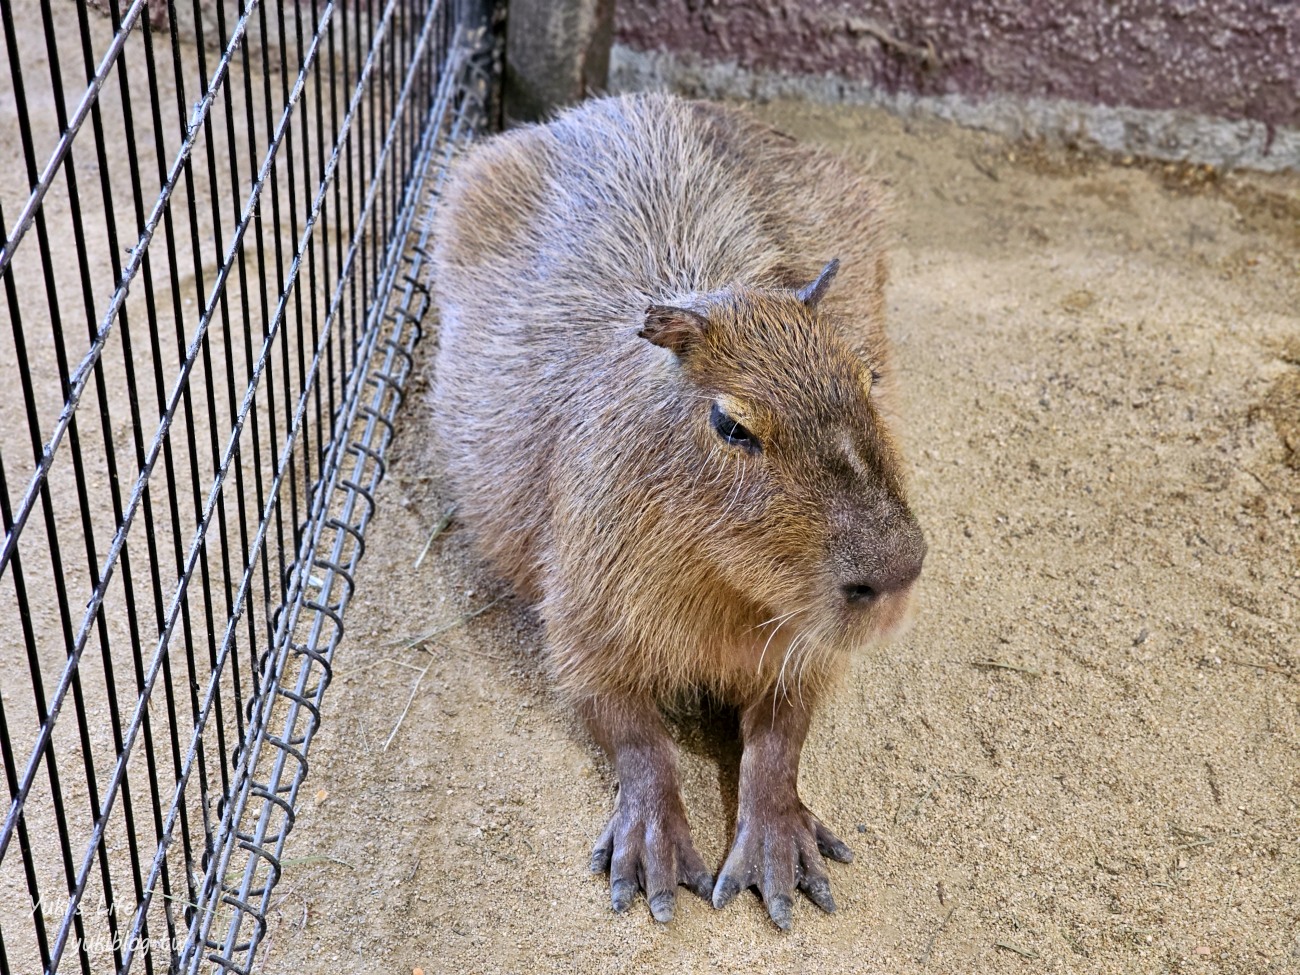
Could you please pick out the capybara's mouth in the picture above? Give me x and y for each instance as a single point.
(899, 614)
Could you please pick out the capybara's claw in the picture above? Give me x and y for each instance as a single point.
(830, 845)
(698, 880)
(818, 890)
(778, 852)
(780, 909)
(662, 904)
(621, 892)
(726, 888)
(647, 846)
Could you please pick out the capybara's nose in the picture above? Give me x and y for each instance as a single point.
(896, 571)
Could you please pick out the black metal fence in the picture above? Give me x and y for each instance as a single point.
(210, 265)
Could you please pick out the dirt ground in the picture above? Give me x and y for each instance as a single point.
(1084, 757)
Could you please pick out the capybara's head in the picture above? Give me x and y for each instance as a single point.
(796, 492)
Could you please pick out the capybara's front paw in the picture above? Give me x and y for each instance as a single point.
(777, 850)
(647, 846)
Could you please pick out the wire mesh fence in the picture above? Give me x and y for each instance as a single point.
(210, 263)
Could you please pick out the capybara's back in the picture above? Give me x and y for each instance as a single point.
(660, 432)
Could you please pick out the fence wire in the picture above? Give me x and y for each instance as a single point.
(211, 284)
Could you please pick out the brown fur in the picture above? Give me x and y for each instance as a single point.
(581, 455)
(604, 280)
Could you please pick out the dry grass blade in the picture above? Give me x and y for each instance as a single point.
(409, 642)
(298, 862)
(438, 529)
(411, 697)
(915, 811)
(1022, 952)
(988, 171)
(924, 958)
(459, 621)
(316, 858)
(1271, 668)
(991, 664)
(1191, 837)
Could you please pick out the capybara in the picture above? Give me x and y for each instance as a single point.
(665, 418)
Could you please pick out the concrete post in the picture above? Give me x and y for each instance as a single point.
(557, 53)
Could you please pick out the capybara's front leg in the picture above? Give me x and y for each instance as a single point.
(779, 844)
(647, 844)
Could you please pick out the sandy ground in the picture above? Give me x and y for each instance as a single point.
(1085, 757)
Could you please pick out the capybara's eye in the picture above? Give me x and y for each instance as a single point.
(732, 432)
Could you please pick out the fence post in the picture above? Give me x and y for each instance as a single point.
(557, 53)
(484, 21)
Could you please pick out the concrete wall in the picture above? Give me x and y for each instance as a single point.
(557, 53)
(1137, 63)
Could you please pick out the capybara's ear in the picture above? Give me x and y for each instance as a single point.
(675, 329)
(811, 294)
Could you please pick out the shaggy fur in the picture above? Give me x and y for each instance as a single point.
(575, 424)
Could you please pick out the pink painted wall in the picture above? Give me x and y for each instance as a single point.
(1239, 59)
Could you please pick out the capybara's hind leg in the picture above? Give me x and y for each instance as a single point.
(647, 844)
(779, 844)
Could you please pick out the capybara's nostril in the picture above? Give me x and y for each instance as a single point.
(859, 593)
(891, 574)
